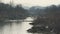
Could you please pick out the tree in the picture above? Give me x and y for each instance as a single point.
(49, 23)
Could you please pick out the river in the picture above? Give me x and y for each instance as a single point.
(17, 28)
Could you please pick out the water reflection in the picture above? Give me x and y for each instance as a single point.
(14, 28)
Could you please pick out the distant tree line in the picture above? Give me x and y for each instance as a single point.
(9, 12)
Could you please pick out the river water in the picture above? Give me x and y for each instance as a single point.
(17, 28)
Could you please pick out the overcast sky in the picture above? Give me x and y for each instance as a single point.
(34, 2)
